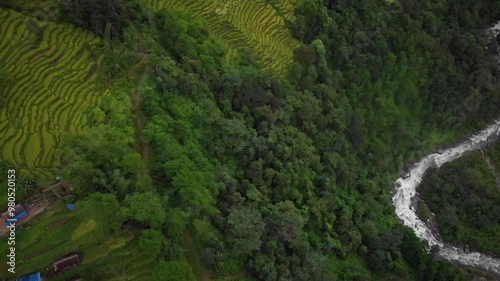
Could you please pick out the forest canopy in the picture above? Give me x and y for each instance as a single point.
(284, 178)
(302, 163)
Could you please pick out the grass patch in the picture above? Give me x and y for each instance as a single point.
(83, 228)
(105, 248)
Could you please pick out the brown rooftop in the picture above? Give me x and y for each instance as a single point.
(66, 262)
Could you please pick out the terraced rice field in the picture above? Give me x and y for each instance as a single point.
(49, 90)
(251, 24)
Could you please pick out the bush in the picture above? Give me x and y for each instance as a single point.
(151, 241)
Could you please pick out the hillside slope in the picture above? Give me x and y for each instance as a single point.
(256, 24)
(47, 88)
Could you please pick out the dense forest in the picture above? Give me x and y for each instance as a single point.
(286, 178)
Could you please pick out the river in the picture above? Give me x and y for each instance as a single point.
(405, 194)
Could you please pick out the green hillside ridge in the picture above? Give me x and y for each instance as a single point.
(48, 89)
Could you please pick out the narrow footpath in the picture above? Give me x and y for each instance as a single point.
(136, 100)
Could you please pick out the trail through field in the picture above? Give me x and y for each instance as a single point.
(136, 98)
(194, 258)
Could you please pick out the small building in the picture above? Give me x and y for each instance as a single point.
(32, 277)
(19, 211)
(66, 262)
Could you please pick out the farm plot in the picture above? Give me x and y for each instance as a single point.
(257, 24)
(49, 88)
(52, 235)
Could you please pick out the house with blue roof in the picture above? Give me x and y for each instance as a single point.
(32, 277)
(20, 212)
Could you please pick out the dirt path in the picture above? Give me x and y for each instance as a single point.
(136, 100)
(493, 170)
(194, 259)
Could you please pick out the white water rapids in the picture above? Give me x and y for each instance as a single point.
(405, 191)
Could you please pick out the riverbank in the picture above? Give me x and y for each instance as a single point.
(405, 193)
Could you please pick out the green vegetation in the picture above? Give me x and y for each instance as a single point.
(464, 195)
(49, 88)
(256, 25)
(207, 160)
(60, 231)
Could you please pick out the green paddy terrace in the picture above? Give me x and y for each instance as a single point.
(255, 24)
(47, 88)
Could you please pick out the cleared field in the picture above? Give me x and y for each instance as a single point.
(49, 88)
(257, 24)
(52, 235)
